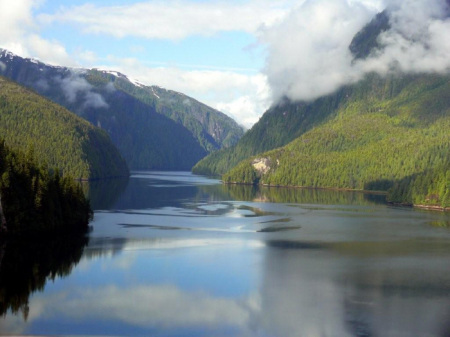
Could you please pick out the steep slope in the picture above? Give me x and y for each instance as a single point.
(382, 133)
(211, 128)
(286, 120)
(371, 144)
(153, 128)
(54, 136)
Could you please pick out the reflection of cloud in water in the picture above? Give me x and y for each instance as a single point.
(13, 324)
(160, 306)
(108, 245)
(174, 178)
(329, 295)
(307, 290)
(228, 217)
(213, 207)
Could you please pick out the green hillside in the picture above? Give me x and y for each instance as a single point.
(55, 136)
(387, 134)
(289, 120)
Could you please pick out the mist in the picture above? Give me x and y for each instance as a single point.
(308, 52)
(74, 86)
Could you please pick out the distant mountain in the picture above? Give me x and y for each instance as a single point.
(382, 133)
(55, 137)
(153, 128)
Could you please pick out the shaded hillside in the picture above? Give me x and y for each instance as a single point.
(211, 128)
(55, 136)
(152, 127)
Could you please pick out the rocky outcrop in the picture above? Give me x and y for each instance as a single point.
(261, 165)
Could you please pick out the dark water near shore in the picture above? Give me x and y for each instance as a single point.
(173, 254)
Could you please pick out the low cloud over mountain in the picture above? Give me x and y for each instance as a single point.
(309, 56)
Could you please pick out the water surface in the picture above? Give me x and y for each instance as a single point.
(174, 254)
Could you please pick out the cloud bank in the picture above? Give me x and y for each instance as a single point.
(308, 54)
(172, 19)
(19, 33)
(418, 40)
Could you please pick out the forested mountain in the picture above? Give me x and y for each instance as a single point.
(382, 133)
(286, 120)
(278, 126)
(54, 136)
(373, 143)
(153, 128)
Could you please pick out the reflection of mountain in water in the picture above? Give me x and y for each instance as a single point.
(27, 264)
(153, 190)
(104, 193)
(301, 195)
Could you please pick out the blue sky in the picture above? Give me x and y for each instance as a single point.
(238, 56)
(209, 50)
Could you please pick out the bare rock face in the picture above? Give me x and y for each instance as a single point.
(261, 165)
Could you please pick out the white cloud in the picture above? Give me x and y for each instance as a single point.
(172, 19)
(247, 108)
(15, 18)
(51, 51)
(75, 86)
(145, 306)
(418, 40)
(18, 33)
(308, 53)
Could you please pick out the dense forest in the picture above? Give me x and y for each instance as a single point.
(380, 141)
(36, 199)
(138, 118)
(57, 137)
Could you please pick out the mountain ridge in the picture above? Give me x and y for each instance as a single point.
(137, 117)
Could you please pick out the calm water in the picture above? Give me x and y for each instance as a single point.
(173, 254)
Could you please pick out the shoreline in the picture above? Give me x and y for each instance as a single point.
(435, 208)
(310, 188)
